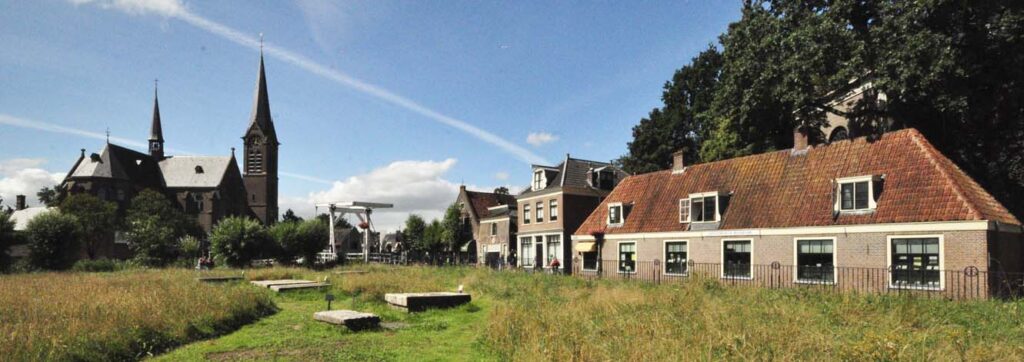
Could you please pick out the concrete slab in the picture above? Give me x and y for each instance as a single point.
(416, 302)
(285, 287)
(343, 272)
(269, 283)
(219, 279)
(348, 318)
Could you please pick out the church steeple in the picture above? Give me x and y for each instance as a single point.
(260, 154)
(156, 132)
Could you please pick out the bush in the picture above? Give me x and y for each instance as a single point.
(98, 265)
(238, 240)
(312, 239)
(54, 240)
(190, 247)
(152, 242)
(286, 241)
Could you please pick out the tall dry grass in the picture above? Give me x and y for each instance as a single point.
(117, 316)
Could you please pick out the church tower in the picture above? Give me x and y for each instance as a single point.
(156, 132)
(260, 156)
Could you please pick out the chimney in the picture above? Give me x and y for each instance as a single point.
(677, 162)
(19, 203)
(800, 140)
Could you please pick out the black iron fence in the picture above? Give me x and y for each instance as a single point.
(968, 283)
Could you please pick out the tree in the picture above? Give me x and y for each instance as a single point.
(312, 239)
(238, 240)
(414, 229)
(50, 195)
(433, 237)
(340, 222)
(7, 239)
(154, 226)
(286, 240)
(289, 216)
(454, 233)
(501, 190)
(97, 220)
(53, 240)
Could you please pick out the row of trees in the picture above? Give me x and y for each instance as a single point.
(237, 241)
(447, 234)
(949, 68)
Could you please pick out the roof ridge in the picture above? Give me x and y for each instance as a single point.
(929, 152)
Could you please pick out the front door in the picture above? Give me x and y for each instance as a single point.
(538, 258)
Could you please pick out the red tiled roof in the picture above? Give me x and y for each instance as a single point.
(782, 189)
(480, 201)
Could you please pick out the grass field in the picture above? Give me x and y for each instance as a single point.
(516, 316)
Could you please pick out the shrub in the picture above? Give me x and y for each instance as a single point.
(286, 241)
(152, 242)
(190, 247)
(312, 239)
(98, 265)
(238, 240)
(97, 219)
(53, 240)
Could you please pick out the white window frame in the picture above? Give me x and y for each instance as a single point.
(870, 179)
(796, 263)
(942, 261)
(527, 214)
(538, 213)
(561, 251)
(683, 220)
(618, 256)
(622, 214)
(664, 252)
(553, 210)
(721, 250)
(539, 180)
(718, 206)
(522, 251)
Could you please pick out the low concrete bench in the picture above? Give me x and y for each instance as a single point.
(343, 272)
(270, 283)
(416, 302)
(219, 279)
(351, 319)
(310, 285)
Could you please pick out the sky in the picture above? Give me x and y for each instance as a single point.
(384, 101)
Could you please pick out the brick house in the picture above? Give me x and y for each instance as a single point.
(490, 218)
(557, 202)
(890, 213)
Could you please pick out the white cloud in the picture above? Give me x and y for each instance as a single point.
(412, 186)
(502, 175)
(540, 138)
(174, 8)
(22, 176)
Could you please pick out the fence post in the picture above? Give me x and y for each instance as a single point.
(657, 271)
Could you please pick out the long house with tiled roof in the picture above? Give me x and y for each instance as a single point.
(891, 212)
(490, 217)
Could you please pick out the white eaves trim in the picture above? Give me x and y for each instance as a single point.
(544, 196)
(818, 230)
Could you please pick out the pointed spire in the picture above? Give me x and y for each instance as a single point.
(156, 132)
(261, 104)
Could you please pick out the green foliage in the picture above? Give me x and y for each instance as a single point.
(312, 238)
(453, 232)
(7, 239)
(54, 240)
(50, 196)
(238, 240)
(190, 247)
(98, 265)
(339, 223)
(286, 240)
(154, 226)
(413, 233)
(289, 216)
(433, 237)
(97, 220)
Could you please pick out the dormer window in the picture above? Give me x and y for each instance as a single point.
(615, 214)
(538, 180)
(856, 194)
(704, 207)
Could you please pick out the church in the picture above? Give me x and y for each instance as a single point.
(208, 188)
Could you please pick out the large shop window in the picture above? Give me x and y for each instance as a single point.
(915, 262)
(814, 260)
(554, 248)
(675, 257)
(736, 255)
(627, 257)
(526, 250)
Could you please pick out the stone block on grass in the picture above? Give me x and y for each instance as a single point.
(349, 318)
(310, 285)
(417, 302)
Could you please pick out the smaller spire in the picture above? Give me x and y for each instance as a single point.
(108, 135)
(156, 132)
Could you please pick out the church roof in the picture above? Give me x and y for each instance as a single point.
(194, 171)
(116, 162)
(260, 117)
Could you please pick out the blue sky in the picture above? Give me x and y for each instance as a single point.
(388, 101)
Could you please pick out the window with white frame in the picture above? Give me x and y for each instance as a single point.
(704, 207)
(615, 214)
(815, 260)
(538, 180)
(627, 257)
(675, 257)
(553, 210)
(554, 249)
(540, 211)
(915, 262)
(855, 194)
(526, 251)
(526, 213)
(684, 210)
(736, 258)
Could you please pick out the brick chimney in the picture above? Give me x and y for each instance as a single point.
(19, 203)
(677, 161)
(800, 139)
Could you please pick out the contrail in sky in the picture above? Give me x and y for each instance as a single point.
(175, 9)
(50, 127)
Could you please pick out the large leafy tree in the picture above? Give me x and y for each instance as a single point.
(97, 220)
(50, 195)
(454, 233)
(289, 216)
(53, 240)
(239, 240)
(7, 239)
(154, 226)
(433, 237)
(414, 229)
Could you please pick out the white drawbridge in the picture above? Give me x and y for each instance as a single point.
(362, 210)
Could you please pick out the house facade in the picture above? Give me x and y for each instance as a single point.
(491, 227)
(558, 200)
(891, 213)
